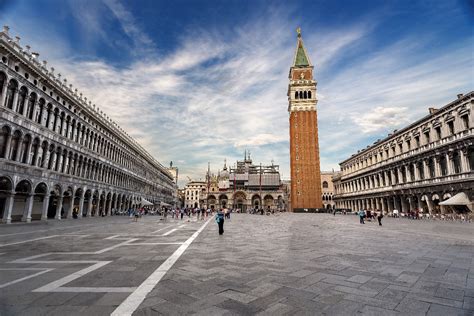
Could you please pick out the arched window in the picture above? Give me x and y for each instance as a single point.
(39, 116)
(412, 172)
(296, 95)
(24, 149)
(21, 100)
(15, 145)
(470, 157)
(456, 162)
(325, 185)
(443, 165)
(309, 94)
(31, 106)
(431, 168)
(4, 132)
(3, 79)
(305, 95)
(421, 171)
(301, 94)
(11, 90)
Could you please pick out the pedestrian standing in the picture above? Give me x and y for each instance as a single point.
(220, 221)
(379, 218)
(182, 213)
(361, 216)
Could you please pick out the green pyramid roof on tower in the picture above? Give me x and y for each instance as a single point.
(301, 59)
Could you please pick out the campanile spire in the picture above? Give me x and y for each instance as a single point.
(304, 145)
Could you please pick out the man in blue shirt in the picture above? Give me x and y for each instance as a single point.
(220, 221)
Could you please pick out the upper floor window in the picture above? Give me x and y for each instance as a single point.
(417, 141)
(438, 132)
(451, 127)
(427, 137)
(325, 185)
(443, 166)
(465, 121)
(456, 162)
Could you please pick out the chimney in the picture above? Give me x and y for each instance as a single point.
(460, 95)
(433, 110)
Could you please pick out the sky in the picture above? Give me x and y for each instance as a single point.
(197, 81)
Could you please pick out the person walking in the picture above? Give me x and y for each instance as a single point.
(220, 221)
(361, 216)
(182, 213)
(379, 218)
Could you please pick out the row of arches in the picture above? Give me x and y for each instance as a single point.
(27, 201)
(302, 95)
(453, 162)
(57, 119)
(22, 147)
(425, 202)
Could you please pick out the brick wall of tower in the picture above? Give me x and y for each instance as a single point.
(304, 160)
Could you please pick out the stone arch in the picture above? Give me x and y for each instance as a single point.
(3, 80)
(55, 207)
(256, 201)
(15, 145)
(11, 90)
(5, 134)
(223, 201)
(22, 96)
(268, 201)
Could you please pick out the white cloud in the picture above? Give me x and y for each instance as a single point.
(380, 118)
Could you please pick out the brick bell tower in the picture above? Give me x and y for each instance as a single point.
(304, 147)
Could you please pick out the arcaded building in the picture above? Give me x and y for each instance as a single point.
(415, 168)
(304, 147)
(59, 153)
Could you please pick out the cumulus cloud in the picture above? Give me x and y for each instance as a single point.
(380, 118)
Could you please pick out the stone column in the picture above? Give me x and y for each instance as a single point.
(437, 167)
(7, 215)
(59, 207)
(27, 210)
(20, 147)
(464, 160)
(109, 208)
(44, 212)
(417, 172)
(15, 100)
(81, 205)
(71, 208)
(407, 172)
(8, 145)
(449, 164)
(89, 207)
(28, 151)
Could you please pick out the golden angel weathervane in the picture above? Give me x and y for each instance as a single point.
(298, 30)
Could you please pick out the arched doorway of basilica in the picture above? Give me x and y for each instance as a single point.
(223, 201)
(239, 201)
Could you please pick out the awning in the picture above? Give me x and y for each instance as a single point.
(459, 199)
(144, 202)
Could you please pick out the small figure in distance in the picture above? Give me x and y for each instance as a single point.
(220, 221)
(361, 216)
(379, 217)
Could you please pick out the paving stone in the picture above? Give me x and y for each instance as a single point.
(359, 278)
(312, 264)
(442, 310)
(411, 306)
(376, 311)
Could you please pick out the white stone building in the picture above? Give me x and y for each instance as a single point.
(60, 153)
(414, 168)
(195, 194)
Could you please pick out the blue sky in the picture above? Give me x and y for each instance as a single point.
(197, 81)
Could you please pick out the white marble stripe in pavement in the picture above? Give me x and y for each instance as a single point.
(134, 300)
(159, 230)
(28, 240)
(169, 232)
(50, 287)
(24, 278)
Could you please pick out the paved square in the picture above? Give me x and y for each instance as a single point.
(269, 265)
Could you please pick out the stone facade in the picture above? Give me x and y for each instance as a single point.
(416, 167)
(60, 153)
(244, 186)
(304, 148)
(327, 186)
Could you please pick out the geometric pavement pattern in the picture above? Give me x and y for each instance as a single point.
(286, 264)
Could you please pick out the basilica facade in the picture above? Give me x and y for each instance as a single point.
(415, 168)
(242, 187)
(61, 155)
